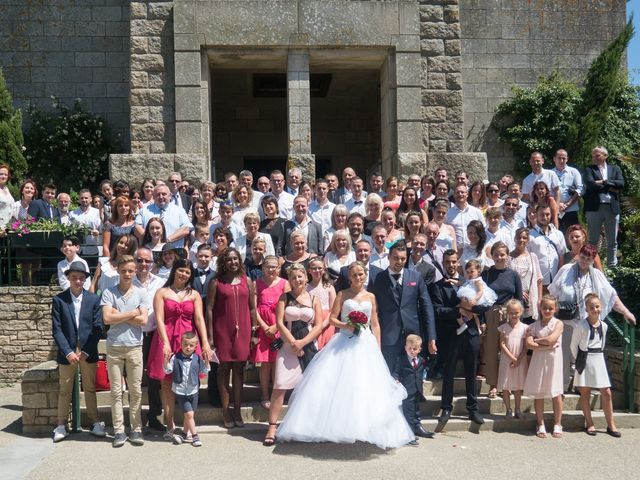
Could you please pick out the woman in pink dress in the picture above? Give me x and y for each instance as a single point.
(544, 378)
(178, 309)
(231, 312)
(512, 371)
(269, 289)
(320, 287)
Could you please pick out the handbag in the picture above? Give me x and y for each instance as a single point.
(102, 376)
(299, 330)
(567, 311)
(581, 360)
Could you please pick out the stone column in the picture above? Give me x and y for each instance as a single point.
(299, 113)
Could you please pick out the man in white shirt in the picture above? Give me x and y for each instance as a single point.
(358, 197)
(151, 284)
(510, 219)
(514, 189)
(417, 261)
(70, 248)
(87, 215)
(496, 233)
(548, 244)
(263, 185)
(301, 222)
(460, 214)
(176, 223)
(64, 202)
(321, 208)
(285, 199)
(539, 174)
(379, 254)
(570, 190)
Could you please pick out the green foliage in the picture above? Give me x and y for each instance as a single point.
(626, 281)
(602, 86)
(621, 132)
(537, 118)
(630, 246)
(30, 225)
(68, 146)
(11, 140)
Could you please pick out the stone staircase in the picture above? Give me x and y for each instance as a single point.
(209, 418)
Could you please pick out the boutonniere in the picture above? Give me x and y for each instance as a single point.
(412, 284)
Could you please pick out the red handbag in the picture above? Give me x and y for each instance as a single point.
(102, 376)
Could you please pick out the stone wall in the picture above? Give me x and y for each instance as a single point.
(514, 42)
(40, 398)
(69, 49)
(25, 330)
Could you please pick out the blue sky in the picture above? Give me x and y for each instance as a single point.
(633, 6)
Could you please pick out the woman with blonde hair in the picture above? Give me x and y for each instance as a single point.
(339, 253)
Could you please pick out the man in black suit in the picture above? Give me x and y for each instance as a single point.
(603, 183)
(409, 367)
(417, 262)
(76, 325)
(363, 253)
(301, 221)
(177, 197)
(42, 208)
(446, 305)
(404, 306)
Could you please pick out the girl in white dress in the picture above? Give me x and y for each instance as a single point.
(347, 393)
(513, 357)
(589, 339)
(475, 292)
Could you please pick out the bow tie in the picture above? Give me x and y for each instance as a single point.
(203, 272)
(357, 202)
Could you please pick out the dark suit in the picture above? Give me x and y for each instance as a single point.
(402, 313)
(450, 345)
(314, 237)
(599, 213)
(41, 209)
(65, 332)
(202, 287)
(411, 378)
(427, 271)
(185, 201)
(342, 283)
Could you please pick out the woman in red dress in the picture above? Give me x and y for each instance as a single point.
(231, 312)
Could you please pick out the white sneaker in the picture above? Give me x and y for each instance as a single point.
(59, 433)
(98, 430)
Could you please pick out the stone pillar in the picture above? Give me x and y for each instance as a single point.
(299, 113)
(442, 101)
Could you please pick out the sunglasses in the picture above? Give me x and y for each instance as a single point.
(493, 191)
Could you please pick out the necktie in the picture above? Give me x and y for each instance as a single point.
(414, 362)
(398, 287)
(176, 199)
(50, 212)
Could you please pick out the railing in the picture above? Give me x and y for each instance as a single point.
(628, 336)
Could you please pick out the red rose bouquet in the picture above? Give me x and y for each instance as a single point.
(357, 320)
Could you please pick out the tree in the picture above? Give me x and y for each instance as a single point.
(602, 86)
(11, 140)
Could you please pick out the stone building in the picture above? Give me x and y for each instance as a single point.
(206, 86)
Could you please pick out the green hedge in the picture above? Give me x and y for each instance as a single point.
(626, 281)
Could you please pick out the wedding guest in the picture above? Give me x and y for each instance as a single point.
(321, 209)
(527, 266)
(587, 346)
(178, 198)
(541, 195)
(299, 254)
(373, 209)
(548, 244)
(356, 203)
(200, 215)
(294, 178)
(474, 247)
(88, 216)
(544, 377)
(442, 190)
(124, 310)
(576, 237)
(320, 287)
(536, 160)
(243, 243)
(339, 254)
(301, 222)
(242, 198)
(495, 232)
(6, 199)
(512, 371)
(427, 189)
(388, 220)
(460, 216)
(222, 240)
(273, 224)
(106, 274)
(433, 252)
(28, 191)
(417, 259)
(155, 235)
(412, 226)
(207, 194)
(363, 254)
(43, 208)
(295, 306)
(168, 256)
(201, 237)
(175, 218)
(70, 248)
(225, 211)
(178, 309)
(391, 199)
(478, 195)
(355, 224)
(76, 323)
(571, 188)
(121, 223)
(231, 312)
(447, 234)
(269, 288)
(254, 261)
(506, 284)
(379, 253)
(146, 191)
(284, 199)
(376, 182)
(411, 203)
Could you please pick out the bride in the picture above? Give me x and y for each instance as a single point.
(347, 393)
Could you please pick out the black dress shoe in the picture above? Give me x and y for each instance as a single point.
(156, 424)
(421, 432)
(476, 418)
(446, 415)
(614, 433)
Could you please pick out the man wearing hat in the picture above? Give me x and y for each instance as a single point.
(76, 321)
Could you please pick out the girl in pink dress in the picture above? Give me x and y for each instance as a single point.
(269, 289)
(320, 287)
(544, 378)
(178, 309)
(513, 358)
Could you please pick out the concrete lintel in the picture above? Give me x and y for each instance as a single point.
(134, 167)
(474, 163)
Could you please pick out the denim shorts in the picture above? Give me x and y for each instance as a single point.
(188, 403)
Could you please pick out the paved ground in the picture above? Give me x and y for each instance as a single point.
(241, 455)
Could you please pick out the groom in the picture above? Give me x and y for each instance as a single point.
(404, 306)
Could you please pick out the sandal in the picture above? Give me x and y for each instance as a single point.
(237, 420)
(270, 440)
(541, 432)
(226, 420)
(557, 431)
(591, 431)
(493, 393)
(266, 404)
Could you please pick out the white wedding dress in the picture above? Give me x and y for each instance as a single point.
(347, 394)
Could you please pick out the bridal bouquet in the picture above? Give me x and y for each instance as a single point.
(357, 320)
